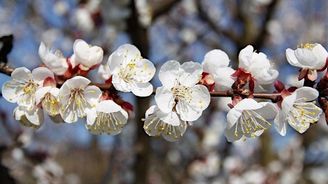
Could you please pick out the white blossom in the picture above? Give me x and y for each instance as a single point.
(308, 56)
(76, 97)
(299, 110)
(29, 117)
(55, 61)
(180, 90)
(216, 62)
(21, 89)
(47, 97)
(129, 71)
(249, 119)
(258, 65)
(169, 125)
(106, 117)
(86, 56)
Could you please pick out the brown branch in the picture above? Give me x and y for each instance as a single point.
(140, 37)
(262, 34)
(164, 8)
(229, 93)
(203, 15)
(5, 69)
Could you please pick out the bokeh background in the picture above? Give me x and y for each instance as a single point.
(162, 29)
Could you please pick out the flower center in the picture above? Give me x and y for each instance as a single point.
(307, 46)
(303, 113)
(251, 122)
(127, 73)
(182, 93)
(110, 123)
(50, 104)
(30, 87)
(76, 103)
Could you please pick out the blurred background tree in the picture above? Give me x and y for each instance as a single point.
(162, 29)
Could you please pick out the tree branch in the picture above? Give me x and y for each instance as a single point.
(5, 69)
(261, 36)
(164, 8)
(215, 27)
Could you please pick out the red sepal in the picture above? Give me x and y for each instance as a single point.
(279, 86)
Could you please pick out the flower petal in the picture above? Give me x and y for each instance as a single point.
(145, 71)
(170, 118)
(115, 61)
(297, 125)
(120, 84)
(223, 78)
(306, 93)
(11, 91)
(245, 56)
(288, 102)
(164, 99)
(167, 124)
(104, 72)
(54, 92)
(41, 73)
(130, 53)
(247, 104)
(151, 110)
(142, 89)
(21, 74)
(108, 106)
(321, 54)
(200, 97)
(280, 123)
(169, 73)
(54, 61)
(91, 116)
(215, 59)
(266, 76)
(306, 57)
(268, 110)
(92, 94)
(39, 94)
(77, 82)
(190, 73)
(174, 133)
(87, 55)
(231, 135)
(35, 116)
(291, 58)
(69, 116)
(187, 112)
(232, 117)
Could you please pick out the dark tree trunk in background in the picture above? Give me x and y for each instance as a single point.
(139, 37)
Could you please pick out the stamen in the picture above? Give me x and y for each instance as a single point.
(304, 113)
(76, 103)
(155, 127)
(182, 93)
(110, 123)
(251, 122)
(50, 104)
(128, 73)
(306, 46)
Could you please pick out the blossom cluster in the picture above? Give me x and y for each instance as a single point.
(61, 88)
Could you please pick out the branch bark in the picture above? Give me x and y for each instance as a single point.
(203, 15)
(261, 36)
(166, 7)
(139, 37)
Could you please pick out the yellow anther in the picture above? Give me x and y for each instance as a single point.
(307, 46)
